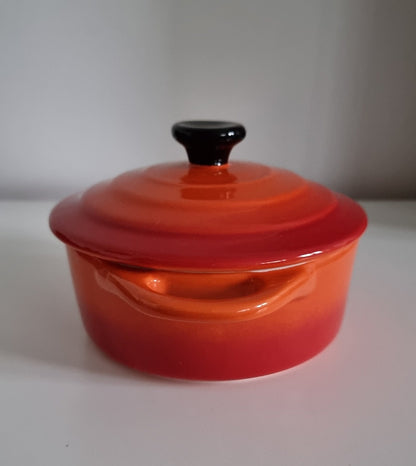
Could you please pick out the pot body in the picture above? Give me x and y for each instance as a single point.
(213, 326)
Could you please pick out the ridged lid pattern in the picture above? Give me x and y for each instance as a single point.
(207, 214)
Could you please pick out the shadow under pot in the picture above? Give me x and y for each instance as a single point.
(210, 270)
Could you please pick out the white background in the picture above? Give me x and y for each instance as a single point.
(90, 88)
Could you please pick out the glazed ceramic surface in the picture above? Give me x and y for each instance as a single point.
(210, 269)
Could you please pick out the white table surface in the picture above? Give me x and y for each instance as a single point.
(63, 403)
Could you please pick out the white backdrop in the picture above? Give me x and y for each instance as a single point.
(90, 88)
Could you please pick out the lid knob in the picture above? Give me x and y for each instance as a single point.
(208, 142)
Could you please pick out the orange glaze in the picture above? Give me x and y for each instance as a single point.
(212, 269)
(213, 326)
(184, 217)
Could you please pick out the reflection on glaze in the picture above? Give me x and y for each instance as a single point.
(208, 195)
(212, 176)
(176, 216)
(149, 338)
(206, 296)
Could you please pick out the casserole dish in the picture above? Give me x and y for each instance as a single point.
(210, 270)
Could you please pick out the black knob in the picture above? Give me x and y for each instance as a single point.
(208, 142)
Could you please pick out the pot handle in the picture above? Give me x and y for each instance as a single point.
(207, 296)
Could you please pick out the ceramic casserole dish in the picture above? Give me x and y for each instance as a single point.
(211, 269)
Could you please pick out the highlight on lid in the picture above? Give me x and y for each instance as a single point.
(210, 268)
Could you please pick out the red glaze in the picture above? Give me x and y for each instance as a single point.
(212, 270)
(126, 326)
(236, 216)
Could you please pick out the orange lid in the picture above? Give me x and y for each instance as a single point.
(207, 214)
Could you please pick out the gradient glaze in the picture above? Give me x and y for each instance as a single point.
(236, 216)
(210, 270)
(195, 346)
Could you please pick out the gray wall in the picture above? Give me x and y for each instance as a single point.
(90, 88)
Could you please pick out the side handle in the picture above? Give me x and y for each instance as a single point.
(207, 296)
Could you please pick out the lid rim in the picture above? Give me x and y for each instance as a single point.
(200, 250)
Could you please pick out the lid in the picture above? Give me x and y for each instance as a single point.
(209, 213)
